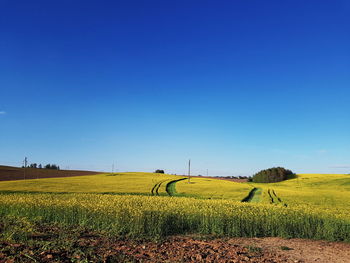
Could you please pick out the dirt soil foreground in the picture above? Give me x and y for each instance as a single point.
(90, 248)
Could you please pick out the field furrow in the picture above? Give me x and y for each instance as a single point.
(170, 186)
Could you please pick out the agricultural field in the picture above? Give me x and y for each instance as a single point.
(325, 192)
(119, 183)
(152, 206)
(15, 173)
(207, 188)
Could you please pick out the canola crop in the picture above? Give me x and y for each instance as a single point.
(310, 206)
(156, 217)
(318, 191)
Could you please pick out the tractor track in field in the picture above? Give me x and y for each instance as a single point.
(155, 189)
(274, 193)
(170, 186)
(250, 196)
(271, 197)
(274, 199)
(253, 196)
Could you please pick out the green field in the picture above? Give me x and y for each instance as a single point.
(155, 205)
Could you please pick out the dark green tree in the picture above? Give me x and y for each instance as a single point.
(272, 175)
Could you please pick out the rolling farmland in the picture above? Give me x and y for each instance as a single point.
(317, 191)
(10, 173)
(155, 206)
(169, 204)
(121, 183)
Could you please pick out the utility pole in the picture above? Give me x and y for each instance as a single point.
(113, 169)
(207, 172)
(189, 171)
(25, 166)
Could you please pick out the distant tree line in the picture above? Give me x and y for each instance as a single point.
(158, 171)
(272, 175)
(48, 166)
(238, 177)
(52, 166)
(230, 177)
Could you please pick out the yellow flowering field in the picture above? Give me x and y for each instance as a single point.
(139, 205)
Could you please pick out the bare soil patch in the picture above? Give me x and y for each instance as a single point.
(301, 250)
(54, 244)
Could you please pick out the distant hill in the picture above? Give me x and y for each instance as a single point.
(8, 173)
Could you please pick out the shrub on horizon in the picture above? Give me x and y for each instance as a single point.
(273, 175)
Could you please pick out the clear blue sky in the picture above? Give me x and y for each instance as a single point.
(237, 86)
